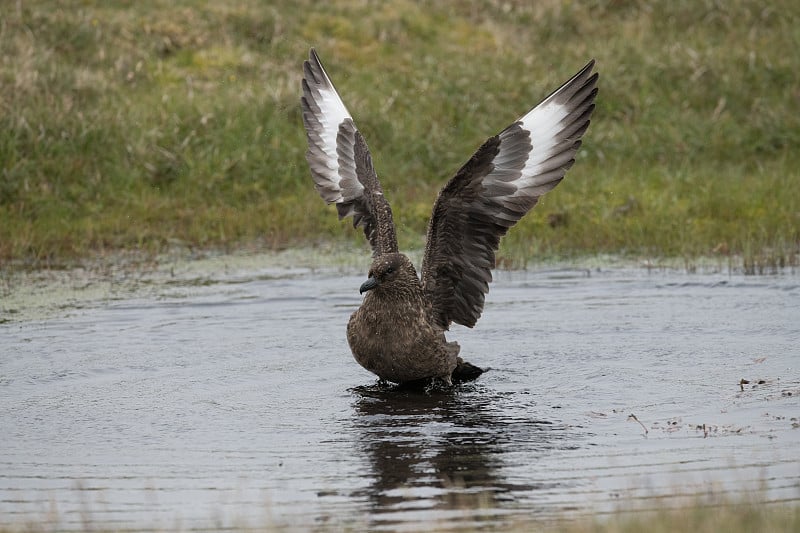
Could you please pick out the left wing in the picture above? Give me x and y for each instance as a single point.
(340, 162)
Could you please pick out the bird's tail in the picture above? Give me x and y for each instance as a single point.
(466, 372)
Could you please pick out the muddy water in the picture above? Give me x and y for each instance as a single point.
(232, 400)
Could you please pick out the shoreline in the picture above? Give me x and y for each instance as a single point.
(37, 294)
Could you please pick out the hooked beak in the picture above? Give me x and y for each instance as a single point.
(368, 285)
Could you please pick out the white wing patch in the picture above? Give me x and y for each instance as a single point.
(330, 157)
(543, 123)
(554, 129)
(334, 113)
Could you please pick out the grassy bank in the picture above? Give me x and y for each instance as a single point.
(151, 124)
(747, 518)
(698, 518)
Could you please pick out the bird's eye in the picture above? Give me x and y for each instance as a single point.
(390, 270)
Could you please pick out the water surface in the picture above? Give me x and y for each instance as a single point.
(233, 400)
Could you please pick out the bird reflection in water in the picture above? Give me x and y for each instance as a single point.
(449, 450)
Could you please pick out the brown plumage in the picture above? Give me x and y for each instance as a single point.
(398, 333)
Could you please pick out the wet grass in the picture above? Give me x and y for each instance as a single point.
(157, 124)
(697, 517)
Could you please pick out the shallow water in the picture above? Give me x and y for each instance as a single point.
(233, 400)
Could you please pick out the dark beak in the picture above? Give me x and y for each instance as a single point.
(368, 285)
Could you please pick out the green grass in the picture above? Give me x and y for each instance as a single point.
(145, 125)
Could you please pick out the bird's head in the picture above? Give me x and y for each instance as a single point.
(391, 272)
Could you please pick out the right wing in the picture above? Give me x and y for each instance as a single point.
(502, 181)
(340, 162)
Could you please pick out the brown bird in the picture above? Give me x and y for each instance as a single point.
(398, 333)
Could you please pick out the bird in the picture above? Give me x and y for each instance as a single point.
(399, 331)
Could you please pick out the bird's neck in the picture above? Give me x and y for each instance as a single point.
(408, 294)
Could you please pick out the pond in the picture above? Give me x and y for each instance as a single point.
(230, 399)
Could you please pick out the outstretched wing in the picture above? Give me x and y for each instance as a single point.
(500, 183)
(340, 162)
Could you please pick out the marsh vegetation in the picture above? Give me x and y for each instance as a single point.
(153, 125)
